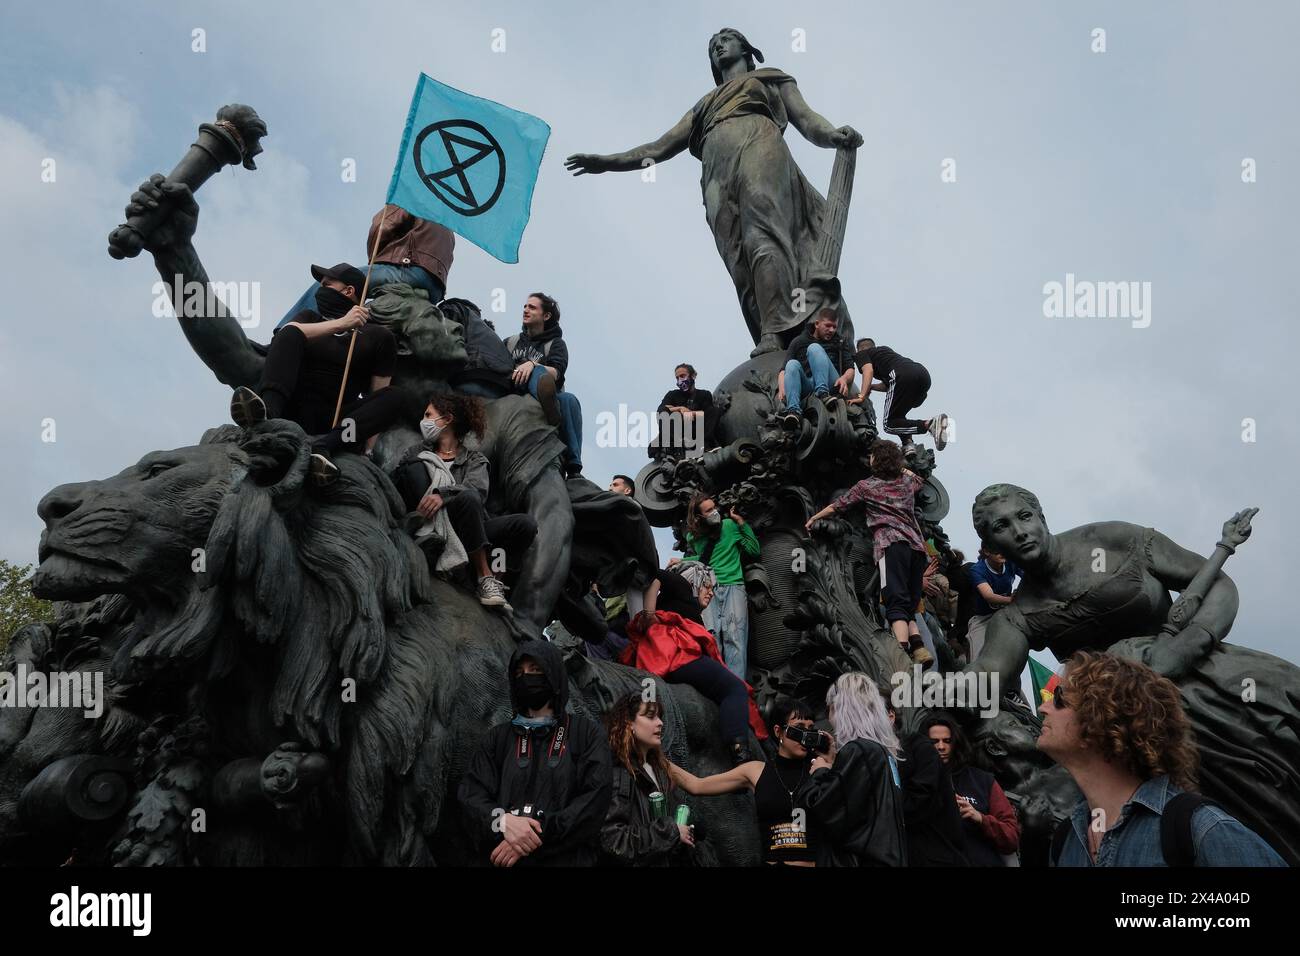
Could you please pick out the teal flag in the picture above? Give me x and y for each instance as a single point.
(469, 164)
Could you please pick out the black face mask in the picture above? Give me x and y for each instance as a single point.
(532, 690)
(331, 303)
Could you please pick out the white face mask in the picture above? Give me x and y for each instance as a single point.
(430, 428)
(714, 517)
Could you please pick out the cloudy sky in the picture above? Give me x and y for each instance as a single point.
(1123, 165)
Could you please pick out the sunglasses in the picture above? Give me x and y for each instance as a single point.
(1058, 698)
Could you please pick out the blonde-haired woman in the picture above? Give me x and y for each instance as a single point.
(853, 795)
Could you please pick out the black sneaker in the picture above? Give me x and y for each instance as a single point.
(791, 420)
(247, 407)
(322, 471)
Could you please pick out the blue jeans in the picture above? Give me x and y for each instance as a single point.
(727, 616)
(381, 273)
(798, 385)
(570, 417)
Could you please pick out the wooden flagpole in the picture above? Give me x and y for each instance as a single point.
(352, 343)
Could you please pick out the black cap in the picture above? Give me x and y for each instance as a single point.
(345, 273)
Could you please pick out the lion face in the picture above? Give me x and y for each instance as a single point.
(134, 533)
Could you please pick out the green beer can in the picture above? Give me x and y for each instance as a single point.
(658, 805)
(683, 815)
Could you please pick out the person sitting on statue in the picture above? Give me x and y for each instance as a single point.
(444, 475)
(724, 544)
(906, 385)
(990, 827)
(686, 417)
(637, 832)
(622, 485)
(782, 818)
(488, 367)
(302, 379)
(1119, 728)
(854, 793)
(536, 790)
(889, 500)
(668, 638)
(817, 359)
(541, 359)
(411, 250)
(993, 578)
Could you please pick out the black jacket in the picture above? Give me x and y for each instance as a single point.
(545, 348)
(857, 808)
(631, 835)
(570, 789)
(934, 834)
(487, 358)
(697, 400)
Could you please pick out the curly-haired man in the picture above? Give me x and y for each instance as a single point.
(1119, 729)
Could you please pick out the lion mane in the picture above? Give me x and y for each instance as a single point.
(328, 591)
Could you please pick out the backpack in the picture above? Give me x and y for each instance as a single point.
(1176, 843)
(514, 340)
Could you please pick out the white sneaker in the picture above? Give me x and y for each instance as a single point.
(491, 592)
(939, 431)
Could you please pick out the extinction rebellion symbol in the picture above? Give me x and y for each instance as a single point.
(474, 167)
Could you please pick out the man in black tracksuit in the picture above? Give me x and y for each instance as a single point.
(537, 790)
(906, 384)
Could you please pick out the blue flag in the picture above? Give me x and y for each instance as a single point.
(469, 164)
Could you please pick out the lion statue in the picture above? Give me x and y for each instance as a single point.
(287, 682)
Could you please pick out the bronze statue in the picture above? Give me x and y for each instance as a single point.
(308, 684)
(1106, 586)
(767, 219)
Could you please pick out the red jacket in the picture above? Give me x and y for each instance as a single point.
(673, 641)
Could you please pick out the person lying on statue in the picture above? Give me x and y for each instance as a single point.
(302, 379)
(1106, 586)
(443, 476)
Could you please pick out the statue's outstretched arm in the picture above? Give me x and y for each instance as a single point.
(213, 333)
(814, 127)
(661, 150)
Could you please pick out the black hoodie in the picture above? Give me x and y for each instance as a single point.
(545, 348)
(567, 778)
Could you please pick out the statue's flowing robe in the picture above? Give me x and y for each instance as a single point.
(764, 214)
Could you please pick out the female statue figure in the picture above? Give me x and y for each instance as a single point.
(1106, 586)
(764, 214)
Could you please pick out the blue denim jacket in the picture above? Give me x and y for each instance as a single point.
(1219, 839)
